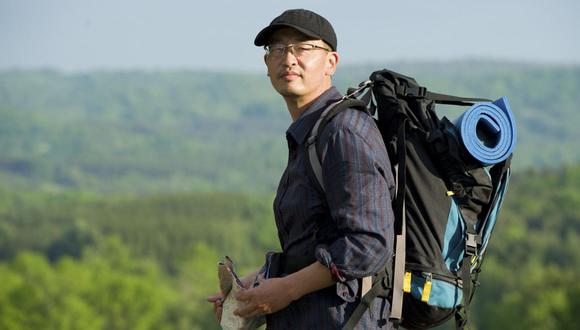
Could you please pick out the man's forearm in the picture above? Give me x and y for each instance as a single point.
(309, 279)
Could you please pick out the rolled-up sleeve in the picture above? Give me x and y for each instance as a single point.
(358, 183)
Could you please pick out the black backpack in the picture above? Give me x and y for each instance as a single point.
(451, 180)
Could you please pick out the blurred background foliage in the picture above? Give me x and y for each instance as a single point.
(120, 191)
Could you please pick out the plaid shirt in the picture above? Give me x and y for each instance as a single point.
(355, 216)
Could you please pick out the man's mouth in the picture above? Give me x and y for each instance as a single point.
(289, 75)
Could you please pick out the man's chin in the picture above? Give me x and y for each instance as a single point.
(289, 91)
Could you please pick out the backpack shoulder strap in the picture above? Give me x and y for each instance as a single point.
(326, 116)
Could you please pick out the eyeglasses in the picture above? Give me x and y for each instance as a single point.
(298, 50)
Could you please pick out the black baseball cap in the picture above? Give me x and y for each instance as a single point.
(305, 21)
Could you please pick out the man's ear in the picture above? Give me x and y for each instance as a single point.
(332, 62)
(267, 69)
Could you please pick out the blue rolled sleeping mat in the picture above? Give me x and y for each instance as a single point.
(488, 131)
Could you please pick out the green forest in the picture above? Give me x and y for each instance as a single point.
(147, 132)
(120, 191)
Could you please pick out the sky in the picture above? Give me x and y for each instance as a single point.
(217, 35)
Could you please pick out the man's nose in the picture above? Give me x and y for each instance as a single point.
(288, 57)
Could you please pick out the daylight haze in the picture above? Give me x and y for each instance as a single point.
(83, 35)
(141, 141)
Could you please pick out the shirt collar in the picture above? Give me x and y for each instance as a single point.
(301, 126)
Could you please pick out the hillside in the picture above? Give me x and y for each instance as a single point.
(151, 132)
(70, 261)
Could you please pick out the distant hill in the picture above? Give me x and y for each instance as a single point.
(112, 253)
(201, 131)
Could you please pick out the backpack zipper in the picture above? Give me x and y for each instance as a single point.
(427, 286)
(452, 280)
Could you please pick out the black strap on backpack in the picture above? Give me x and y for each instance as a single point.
(400, 230)
(380, 288)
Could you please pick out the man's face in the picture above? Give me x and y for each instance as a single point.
(301, 76)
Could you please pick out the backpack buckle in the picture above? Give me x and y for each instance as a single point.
(354, 92)
(471, 244)
(460, 319)
(418, 92)
(310, 141)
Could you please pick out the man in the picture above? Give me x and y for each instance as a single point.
(345, 230)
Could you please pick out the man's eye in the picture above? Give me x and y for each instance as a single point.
(303, 48)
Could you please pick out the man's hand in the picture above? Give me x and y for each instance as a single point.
(270, 296)
(217, 300)
(275, 294)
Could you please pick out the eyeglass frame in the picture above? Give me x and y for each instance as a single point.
(284, 48)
